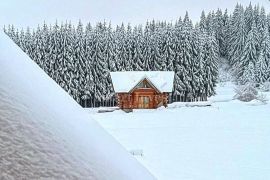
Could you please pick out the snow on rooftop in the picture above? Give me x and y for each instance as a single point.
(44, 133)
(126, 80)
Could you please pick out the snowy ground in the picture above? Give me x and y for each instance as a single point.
(228, 140)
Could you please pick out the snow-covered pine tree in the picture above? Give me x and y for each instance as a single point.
(110, 46)
(38, 53)
(249, 17)
(80, 72)
(45, 46)
(60, 57)
(121, 54)
(196, 65)
(263, 64)
(158, 63)
(261, 25)
(100, 72)
(68, 70)
(88, 94)
(146, 47)
(256, 14)
(28, 45)
(21, 40)
(179, 85)
(202, 24)
(110, 55)
(249, 56)
(168, 48)
(237, 35)
(268, 21)
(210, 65)
(55, 51)
(219, 30)
(5, 29)
(200, 64)
(16, 37)
(186, 38)
(128, 48)
(137, 43)
(248, 76)
(11, 32)
(210, 23)
(224, 48)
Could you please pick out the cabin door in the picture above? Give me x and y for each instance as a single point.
(144, 102)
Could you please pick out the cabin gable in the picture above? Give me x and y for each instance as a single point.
(144, 84)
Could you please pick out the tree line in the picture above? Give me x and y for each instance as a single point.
(80, 58)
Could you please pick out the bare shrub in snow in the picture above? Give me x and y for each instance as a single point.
(246, 93)
(136, 152)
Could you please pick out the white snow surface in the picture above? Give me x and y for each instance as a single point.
(45, 134)
(227, 140)
(124, 81)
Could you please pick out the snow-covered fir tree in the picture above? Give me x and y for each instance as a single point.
(219, 29)
(249, 56)
(137, 43)
(121, 54)
(202, 24)
(167, 49)
(210, 65)
(237, 35)
(226, 28)
(263, 63)
(100, 69)
(146, 48)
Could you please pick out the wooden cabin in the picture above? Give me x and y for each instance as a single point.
(142, 89)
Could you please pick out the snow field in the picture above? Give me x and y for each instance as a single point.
(227, 140)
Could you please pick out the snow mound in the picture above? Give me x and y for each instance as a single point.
(190, 104)
(255, 102)
(44, 133)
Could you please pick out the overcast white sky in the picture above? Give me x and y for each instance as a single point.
(24, 13)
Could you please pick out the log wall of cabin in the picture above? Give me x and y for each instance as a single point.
(131, 101)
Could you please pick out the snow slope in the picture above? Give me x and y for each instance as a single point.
(227, 140)
(45, 134)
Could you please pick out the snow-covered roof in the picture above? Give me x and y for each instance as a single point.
(124, 81)
(51, 135)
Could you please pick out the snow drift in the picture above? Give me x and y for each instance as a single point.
(44, 133)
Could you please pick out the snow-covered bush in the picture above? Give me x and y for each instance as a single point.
(265, 87)
(246, 93)
(262, 97)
